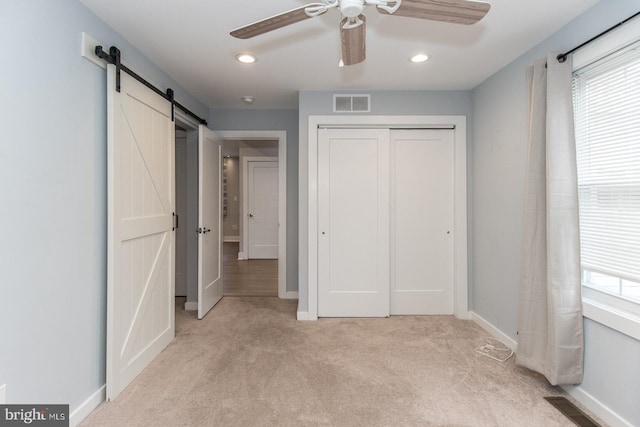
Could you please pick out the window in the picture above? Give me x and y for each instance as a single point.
(607, 120)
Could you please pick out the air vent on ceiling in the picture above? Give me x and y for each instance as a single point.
(351, 103)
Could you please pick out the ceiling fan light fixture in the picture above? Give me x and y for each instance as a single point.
(421, 57)
(351, 8)
(246, 58)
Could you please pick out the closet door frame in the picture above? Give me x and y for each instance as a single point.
(459, 125)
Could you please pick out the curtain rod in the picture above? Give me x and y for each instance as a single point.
(563, 56)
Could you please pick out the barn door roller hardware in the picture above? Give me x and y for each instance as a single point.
(113, 57)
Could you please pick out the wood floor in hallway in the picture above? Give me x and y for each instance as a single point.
(254, 277)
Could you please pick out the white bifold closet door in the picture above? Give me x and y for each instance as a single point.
(385, 222)
(422, 214)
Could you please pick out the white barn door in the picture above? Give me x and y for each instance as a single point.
(141, 258)
(210, 286)
(353, 223)
(422, 221)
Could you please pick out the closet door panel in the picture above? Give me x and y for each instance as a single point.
(353, 227)
(422, 214)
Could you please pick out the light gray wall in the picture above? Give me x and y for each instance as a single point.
(499, 162)
(272, 120)
(382, 103)
(54, 199)
(233, 198)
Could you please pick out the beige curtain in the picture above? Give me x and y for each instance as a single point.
(550, 329)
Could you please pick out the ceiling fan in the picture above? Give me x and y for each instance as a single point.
(352, 23)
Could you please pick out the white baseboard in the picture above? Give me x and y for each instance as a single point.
(588, 401)
(495, 332)
(597, 407)
(290, 295)
(465, 315)
(191, 305)
(303, 315)
(3, 394)
(81, 412)
(231, 239)
(242, 256)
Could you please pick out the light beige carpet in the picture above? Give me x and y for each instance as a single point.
(251, 363)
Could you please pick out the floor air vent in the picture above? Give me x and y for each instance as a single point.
(572, 412)
(351, 103)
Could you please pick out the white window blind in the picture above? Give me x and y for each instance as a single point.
(607, 122)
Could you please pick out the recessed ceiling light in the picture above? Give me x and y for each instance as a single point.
(246, 58)
(419, 58)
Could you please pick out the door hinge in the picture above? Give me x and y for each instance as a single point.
(175, 221)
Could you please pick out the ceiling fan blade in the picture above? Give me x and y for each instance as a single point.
(353, 42)
(277, 21)
(454, 11)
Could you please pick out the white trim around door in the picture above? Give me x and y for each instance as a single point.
(281, 137)
(459, 125)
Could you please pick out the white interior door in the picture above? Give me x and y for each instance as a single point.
(263, 209)
(181, 211)
(210, 286)
(422, 217)
(353, 223)
(140, 264)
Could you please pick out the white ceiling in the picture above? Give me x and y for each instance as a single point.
(190, 40)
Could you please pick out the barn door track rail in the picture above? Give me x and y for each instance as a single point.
(113, 57)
